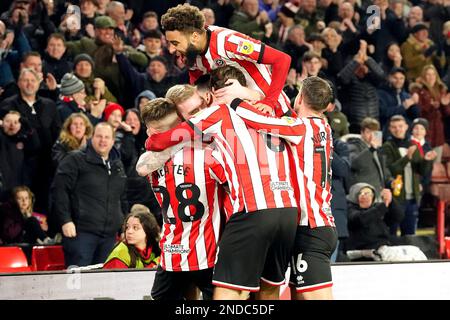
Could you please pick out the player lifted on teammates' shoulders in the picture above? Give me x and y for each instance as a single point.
(205, 48)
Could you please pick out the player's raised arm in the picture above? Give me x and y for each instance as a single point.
(280, 63)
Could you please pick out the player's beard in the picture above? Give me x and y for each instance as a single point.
(191, 55)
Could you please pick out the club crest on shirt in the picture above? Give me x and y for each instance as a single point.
(219, 62)
(245, 47)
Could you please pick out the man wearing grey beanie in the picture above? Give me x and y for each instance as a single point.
(73, 99)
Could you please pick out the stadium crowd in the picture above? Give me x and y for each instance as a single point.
(77, 77)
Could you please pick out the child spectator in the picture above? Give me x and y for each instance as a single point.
(139, 248)
(35, 224)
(419, 129)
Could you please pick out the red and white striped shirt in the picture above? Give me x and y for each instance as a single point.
(228, 47)
(256, 165)
(312, 149)
(187, 190)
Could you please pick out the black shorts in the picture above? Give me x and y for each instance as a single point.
(170, 285)
(255, 246)
(311, 265)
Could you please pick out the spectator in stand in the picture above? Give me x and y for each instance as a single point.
(140, 247)
(124, 139)
(148, 23)
(394, 99)
(152, 44)
(18, 224)
(348, 23)
(337, 119)
(415, 16)
(116, 10)
(75, 132)
(286, 17)
(272, 8)
(340, 168)
(318, 44)
(329, 10)
(309, 17)
(369, 220)
(295, 46)
(35, 224)
(392, 58)
(47, 82)
(388, 27)
(249, 20)
(138, 188)
(210, 18)
(418, 50)
(43, 117)
(37, 25)
(419, 128)
(102, 4)
(142, 99)
(15, 45)
(434, 101)
(368, 163)
(445, 47)
(95, 87)
(89, 199)
(155, 79)
(336, 52)
(403, 158)
(105, 66)
(359, 78)
(435, 13)
(55, 61)
(73, 100)
(88, 10)
(18, 145)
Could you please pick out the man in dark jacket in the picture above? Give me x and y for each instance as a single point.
(90, 198)
(394, 99)
(367, 162)
(55, 58)
(43, 117)
(360, 77)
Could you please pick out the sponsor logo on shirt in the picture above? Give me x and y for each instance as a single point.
(176, 248)
(245, 47)
(280, 185)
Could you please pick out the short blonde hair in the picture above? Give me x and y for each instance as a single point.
(180, 93)
(157, 109)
